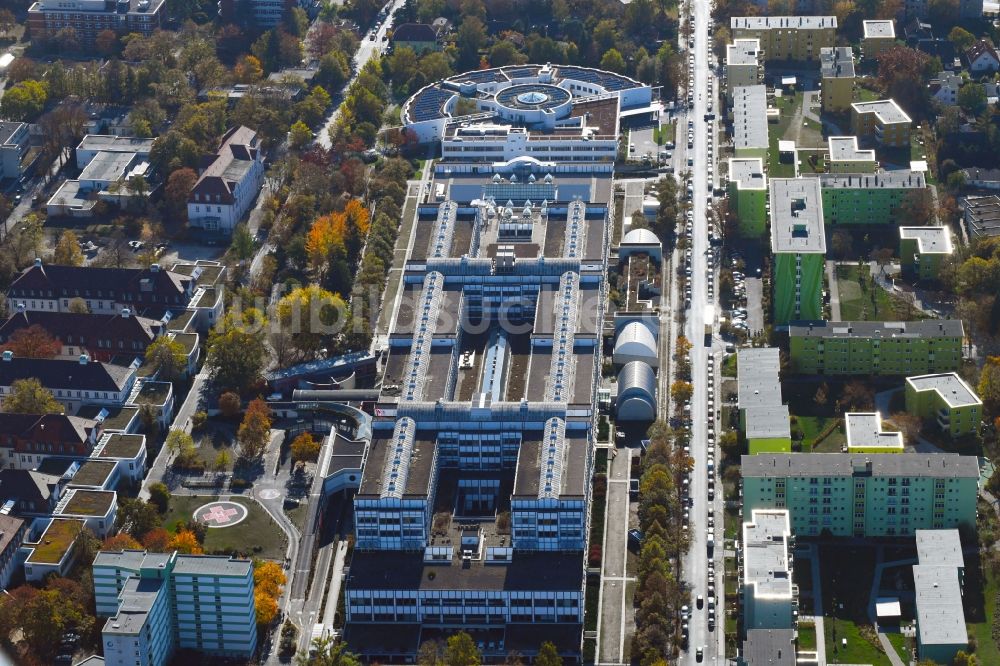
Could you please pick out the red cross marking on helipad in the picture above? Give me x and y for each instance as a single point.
(218, 514)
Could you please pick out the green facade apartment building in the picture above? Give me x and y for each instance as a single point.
(875, 347)
(799, 248)
(747, 192)
(844, 156)
(947, 400)
(922, 249)
(763, 419)
(864, 495)
(867, 198)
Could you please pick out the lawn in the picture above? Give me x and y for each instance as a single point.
(257, 535)
(212, 441)
(776, 131)
(845, 600)
(856, 303)
(665, 132)
(983, 610)
(806, 166)
(807, 636)
(901, 644)
(729, 366)
(813, 426)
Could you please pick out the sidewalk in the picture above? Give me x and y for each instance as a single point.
(831, 279)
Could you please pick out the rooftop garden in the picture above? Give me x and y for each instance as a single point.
(57, 539)
(116, 419)
(123, 446)
(180, 321)
(89, 503)
(153, 393)
(94, 473)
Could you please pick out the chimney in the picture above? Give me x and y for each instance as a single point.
(154, 268)
(126, 313)
(8, 355)
(84, 359)
(20, 306)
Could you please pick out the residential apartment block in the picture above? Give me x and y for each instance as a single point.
(88, 18)
(865, 434)
(922, 249)
(763, 418)
(228, 184)
(879, 36)
(939, 582)
(769, 598)
(947, 400)
(750, 121)
(747, 193)
(881, 121)
(744, 65)
(864, 495)
(875, 347)
(836, 66)
(981, 216)
(157, 603)
(14, 143)
(72, 382)
(100, 336)
(799, 247)
(844, 156)
(787, 37)
(867, 198)
(27, 439)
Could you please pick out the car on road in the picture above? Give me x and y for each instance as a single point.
(700, 601)
(699, 654)
(635, 538)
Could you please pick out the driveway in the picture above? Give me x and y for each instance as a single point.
(755, 303)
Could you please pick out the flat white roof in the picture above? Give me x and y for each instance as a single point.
(879, 28)
(864, 429)
(766, 564)
(930, 240)
(886, 110)
(845, 149)
(797, 216)
(949, 386)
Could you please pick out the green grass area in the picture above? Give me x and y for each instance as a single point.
(665, 132)
(211, 444)
(813, 426)
(981, 611)
(776, 132)
(807, 636)
(901, 644)
(590, 604)
(806, 166)
(729, 366)
(55, 541)
(258, 535)
(866, 94)
(863, 300)
(298, 515)
(843, 571)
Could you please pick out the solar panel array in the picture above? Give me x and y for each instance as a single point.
(484, 76)
(607, 80)
(423, 336)
(428, 105)
(395, 473)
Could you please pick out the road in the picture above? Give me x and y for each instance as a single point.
(695, 564)
(369, 49)
(614, 576)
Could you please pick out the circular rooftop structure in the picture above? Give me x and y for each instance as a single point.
(533, 96)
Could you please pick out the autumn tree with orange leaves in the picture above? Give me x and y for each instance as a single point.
(186, 542)
(33, 342)
(269, 581)
(334, 243)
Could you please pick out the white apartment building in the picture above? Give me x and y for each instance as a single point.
(228, 187)
(769, 597)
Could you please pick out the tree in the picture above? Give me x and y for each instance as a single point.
(222, 461)
(470, 38)
(236, 349)
(137, 518)
(313, 316)
(908, 424)
(943, 12)
(326, 651)
(305, 448)
(178, 440)
(548, 656)
(7, 21)
(300, 136)
(266, 608)
(989, 387)
(856, 396)
(67, 252)
(901, 73)
(120, 541)
(33, 342)
(43, 616)
(917, 207)
(972, 98)
(24, 101)
(613, 61)
(168, 356)
(230, 404)
(269, 578)
(822, 395)
(78, 305)
(730, 444)
(462, 651)
(681, 391)
(28, 396)
(178, 189)
(431, 653)
(157, 540)
(186, 542)
(159, 496)
(254, 433)
(961, 38)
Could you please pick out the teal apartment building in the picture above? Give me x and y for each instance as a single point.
(855, 495)
(157, 603)
(867, 198)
